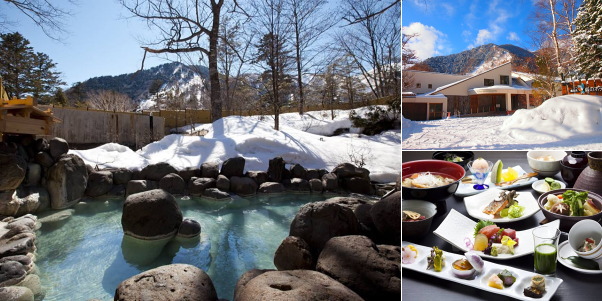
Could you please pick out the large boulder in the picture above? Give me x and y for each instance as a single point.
(136, 186)
(222, 183)
(371, 271)
(172, 282)
(66, 181)
(215, 193)
(318, 222)
(155, 172)
(44, 159)
(243, 185)
(189, 228)
(316, 185)
(312, 174)
(275, 169)
(386, 216)
(330, 182)
(298, 171)
(30, 199)
(294, 285)
(348, 170)
(99, 183)
(151, 215)
(11, 272)
(245, 278)
(173, 184)
(358, 185)
(210, 169)
(187, 173)
(196, 186)
(233, 167)
(360, 207)
(259, 177)
(299, 184)
(13, 170)
(16, 293)
(19, 244)
(271, 187)
(58, 147)
(121, 176)
(293, 254)
(34, 174)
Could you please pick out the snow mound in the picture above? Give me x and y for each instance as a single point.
(255, 139)
(558, 118)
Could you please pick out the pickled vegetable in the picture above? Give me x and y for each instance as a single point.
(480, 242)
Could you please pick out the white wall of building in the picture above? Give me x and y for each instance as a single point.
(478, 81)
(424, 79)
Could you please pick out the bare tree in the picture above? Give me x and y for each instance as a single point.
(45, 14)
(273, 53)
(182, 25)
(308, 23)
(373, 44)
(110, 101)
(554, 20)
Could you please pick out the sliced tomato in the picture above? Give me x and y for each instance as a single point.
(510, 233)
(489, 230)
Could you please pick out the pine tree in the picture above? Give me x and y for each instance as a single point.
(25, 71)
(588, 38)
(59, 98)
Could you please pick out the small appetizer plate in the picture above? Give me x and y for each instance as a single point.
(538, 185)
(523, 278)
(466, 189)
(457, 229)
(476, 203)
(564, 251)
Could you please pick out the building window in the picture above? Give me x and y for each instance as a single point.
(488, 82)
(430, 86)
(504, 80)
(418, 85)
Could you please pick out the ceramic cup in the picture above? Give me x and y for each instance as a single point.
(586, 229)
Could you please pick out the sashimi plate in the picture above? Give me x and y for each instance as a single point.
(523, 278)
(466, 189)
(456, 229)
(476, 203)
(564, 251)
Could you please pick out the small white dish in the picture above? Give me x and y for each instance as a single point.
(565, 251)
(468, 190)
(476, 203)
(456, 228)
(537, 185)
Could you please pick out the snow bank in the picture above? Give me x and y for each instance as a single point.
(256, 141)
(562, 117)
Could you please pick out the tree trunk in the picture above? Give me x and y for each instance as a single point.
(216, 101)
(298, 59)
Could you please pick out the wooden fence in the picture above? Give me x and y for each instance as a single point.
(179, 118)
(81, 126)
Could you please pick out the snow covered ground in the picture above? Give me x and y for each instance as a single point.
(564, 122)
(301, 139)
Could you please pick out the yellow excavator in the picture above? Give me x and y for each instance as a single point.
(22, 117)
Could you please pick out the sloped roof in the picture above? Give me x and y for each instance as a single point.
(438, 90)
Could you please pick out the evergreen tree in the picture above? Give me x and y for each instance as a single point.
(588, 38)
(59, 98)
(15, 59)
(24, 71)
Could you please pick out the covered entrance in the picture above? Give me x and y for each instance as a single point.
(499, 99)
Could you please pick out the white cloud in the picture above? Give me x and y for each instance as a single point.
(429, 41)
(498, 16)
(512, 36)
(483, 37)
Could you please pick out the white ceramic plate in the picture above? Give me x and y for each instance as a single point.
(564, 251)
(467, 190)
(523, 278)
(476, 203)
(537, 183)
(456, 227)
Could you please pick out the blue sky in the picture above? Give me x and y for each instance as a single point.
(452, 26)
(100, 40)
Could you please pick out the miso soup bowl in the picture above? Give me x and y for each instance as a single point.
(586, 228)
(440, 167)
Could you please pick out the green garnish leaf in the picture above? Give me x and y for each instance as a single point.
(480, 225)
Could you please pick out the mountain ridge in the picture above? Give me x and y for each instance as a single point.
(479, 59)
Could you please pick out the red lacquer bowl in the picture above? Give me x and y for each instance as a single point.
(440, 167)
